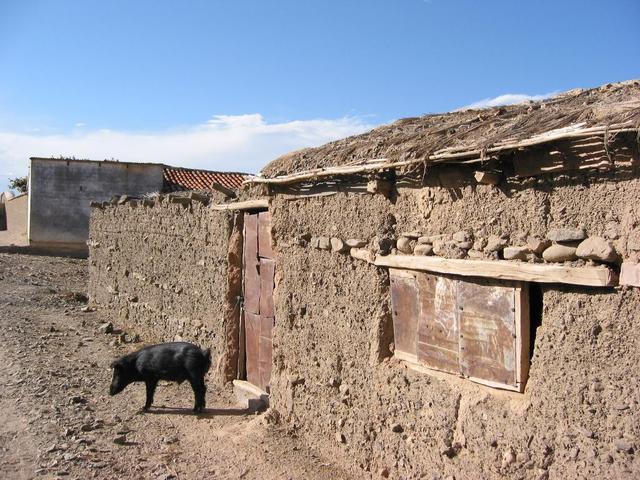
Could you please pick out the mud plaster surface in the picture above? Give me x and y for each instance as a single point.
(583, 393)
(604, 204)
(163, 271)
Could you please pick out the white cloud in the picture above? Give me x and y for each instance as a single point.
(79, 125)
(226, 142)
(507, 99)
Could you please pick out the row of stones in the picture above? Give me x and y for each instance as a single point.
(559, 246)
(184, 200)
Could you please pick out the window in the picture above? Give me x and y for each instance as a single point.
(475, 328)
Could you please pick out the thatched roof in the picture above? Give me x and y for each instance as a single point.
(470, 134)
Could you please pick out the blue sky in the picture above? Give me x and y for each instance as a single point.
(232, 84)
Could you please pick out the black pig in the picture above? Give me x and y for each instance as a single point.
(175, 362)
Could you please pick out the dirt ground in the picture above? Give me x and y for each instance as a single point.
(58, 421)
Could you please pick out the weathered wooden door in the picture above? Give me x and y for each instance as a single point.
(258, 310)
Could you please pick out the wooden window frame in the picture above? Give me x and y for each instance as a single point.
(410, 291)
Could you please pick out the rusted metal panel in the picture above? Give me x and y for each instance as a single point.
(486, 314)
(251, 281)
(264, 235)
(405, 310)
(267, 269)
(252, 338)
(438, 340)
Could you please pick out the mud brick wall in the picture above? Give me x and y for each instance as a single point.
(605, 204)
(161, 266)
(336, 383)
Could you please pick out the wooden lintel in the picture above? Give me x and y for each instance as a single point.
(246, 205)
(504, 270)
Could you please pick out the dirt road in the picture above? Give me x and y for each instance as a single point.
(58, 421)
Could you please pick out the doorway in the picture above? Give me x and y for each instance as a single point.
(258, 316)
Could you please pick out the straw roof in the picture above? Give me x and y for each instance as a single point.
(469, 134)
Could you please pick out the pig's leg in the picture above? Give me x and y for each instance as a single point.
(199, 391)
(151, 388)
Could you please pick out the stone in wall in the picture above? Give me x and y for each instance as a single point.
(405, 245)
(337, 245)
(567, 234)
(496, 243)
(597, 248)
(538, 244)
(516, 253)
(559, 253)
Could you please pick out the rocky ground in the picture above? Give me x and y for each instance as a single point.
(58, 421)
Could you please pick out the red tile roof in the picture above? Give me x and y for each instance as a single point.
(180, 179)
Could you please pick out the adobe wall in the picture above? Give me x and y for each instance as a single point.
(16, 222)
(165, 270)
(336, 384)
(605, 204)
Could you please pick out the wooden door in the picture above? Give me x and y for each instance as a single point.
(258, 309)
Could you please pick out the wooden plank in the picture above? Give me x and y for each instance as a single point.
(267, 269)
(304, 196)
(536, 163)
(489, 383)
(252, 339)
(589, 153)
(250, 250)
(486, 313)
(256, 204)
(407, 357)
(242, 350)
(405, 311)
(504, 270)
(523, 334)
(508, 391)
(266, 326)
(264, 235)
(438, 324)
(266, 348)
(251, 275)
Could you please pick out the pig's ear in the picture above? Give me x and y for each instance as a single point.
(116, 364)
